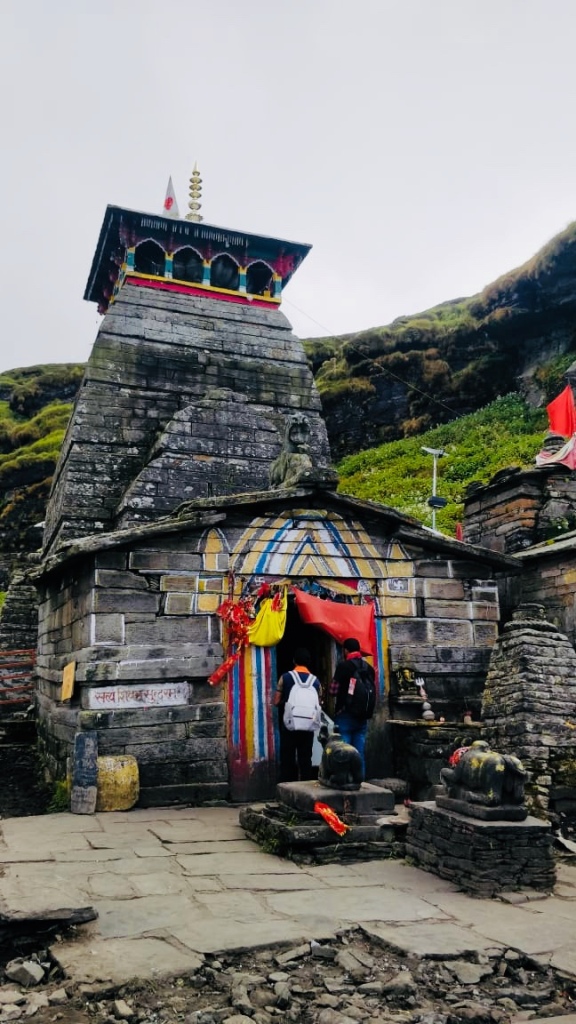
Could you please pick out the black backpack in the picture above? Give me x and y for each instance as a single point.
(361, 694)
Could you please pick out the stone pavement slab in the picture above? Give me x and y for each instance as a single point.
(521, 928)
(218, 935)
(438, 940)
(231, 863)
(370, 903)
(170, 884)
(121, 918)
(100, 960)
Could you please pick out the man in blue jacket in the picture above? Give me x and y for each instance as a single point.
(351, 726)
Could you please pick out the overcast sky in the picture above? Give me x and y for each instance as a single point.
(423, 147)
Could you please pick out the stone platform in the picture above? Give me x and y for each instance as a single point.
(291, 827)
(483, 858)
(507, 812)
(363, 804)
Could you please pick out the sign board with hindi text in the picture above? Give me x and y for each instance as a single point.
(138, 695)
(68, 676)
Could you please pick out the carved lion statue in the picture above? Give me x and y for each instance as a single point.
(482, 776)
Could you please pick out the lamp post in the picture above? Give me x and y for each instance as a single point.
(434, 501)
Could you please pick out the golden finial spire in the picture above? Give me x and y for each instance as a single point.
(195, 192)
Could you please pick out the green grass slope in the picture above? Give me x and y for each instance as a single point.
(35, 406)
(506, 433)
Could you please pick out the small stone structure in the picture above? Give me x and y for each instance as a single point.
(292, 828)
(519, 508)
(483, 858)
(529, 708)
(478, 833)
(532, 515)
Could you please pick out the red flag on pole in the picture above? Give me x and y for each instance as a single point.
(562, 413)
(170, 205)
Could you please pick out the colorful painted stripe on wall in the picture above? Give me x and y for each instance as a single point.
(252, 720)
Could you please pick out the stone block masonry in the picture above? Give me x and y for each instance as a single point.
(145, 434)
(518, 509)
(113, 620)
(529, 705)
(482, 858)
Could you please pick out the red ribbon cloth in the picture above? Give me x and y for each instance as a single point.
(562, 413)
(238, 616)
(455, 757)
(331, 818)
(339, 620)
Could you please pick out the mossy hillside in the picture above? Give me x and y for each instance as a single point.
(430, 368)
(35, 407)
(508, 432)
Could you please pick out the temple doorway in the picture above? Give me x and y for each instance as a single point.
(321, 646)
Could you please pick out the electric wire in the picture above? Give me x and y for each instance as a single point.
(370, 359)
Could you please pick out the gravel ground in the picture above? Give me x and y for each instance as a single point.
(348, 980)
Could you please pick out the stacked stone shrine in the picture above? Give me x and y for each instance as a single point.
(529, 708)
(477, 833)
(367, 825)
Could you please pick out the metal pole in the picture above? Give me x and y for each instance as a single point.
(434, 465)
(436, 454)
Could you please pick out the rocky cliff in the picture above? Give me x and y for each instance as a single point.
(432, 367)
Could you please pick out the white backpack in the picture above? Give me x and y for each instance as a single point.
(302, 709)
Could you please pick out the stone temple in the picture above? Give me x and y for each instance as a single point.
(195, 484)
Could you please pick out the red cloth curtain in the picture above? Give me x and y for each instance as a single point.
(562, 413)
(339, 620)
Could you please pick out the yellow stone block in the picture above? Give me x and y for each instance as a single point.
(118, 783)
(214, 584)
(213, 543)
(208, 602)
(397, 606)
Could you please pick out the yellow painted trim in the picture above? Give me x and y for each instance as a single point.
(203, 287)
(382, 624)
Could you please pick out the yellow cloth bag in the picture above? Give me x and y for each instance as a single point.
(269, 625)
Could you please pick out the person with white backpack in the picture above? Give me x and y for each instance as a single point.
(299, 717)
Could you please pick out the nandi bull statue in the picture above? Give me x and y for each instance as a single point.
(484, 784)
(341, 764)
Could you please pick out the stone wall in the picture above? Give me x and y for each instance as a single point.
(549, 579)
(529, 706)
(18, 630)
(115, 617)
(448, 626)
(155, 424)
(518, 509)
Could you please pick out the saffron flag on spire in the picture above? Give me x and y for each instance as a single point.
(562, 413)
(170, 204)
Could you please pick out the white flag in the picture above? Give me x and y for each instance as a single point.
(170, 204)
